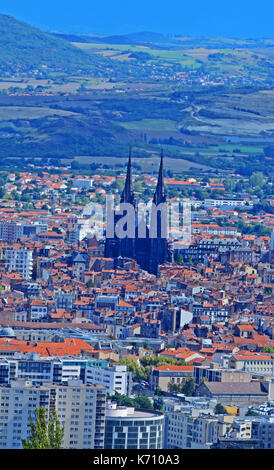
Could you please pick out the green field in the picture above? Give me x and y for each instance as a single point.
(28, 112)
(245, 149)
(176, 56)
(150, 125)
(175, 164)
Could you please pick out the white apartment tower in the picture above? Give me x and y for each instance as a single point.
(80, 409)
(20, 261)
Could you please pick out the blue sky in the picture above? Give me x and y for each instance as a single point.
(215, 18)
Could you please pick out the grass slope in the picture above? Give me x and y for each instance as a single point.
(25, 48)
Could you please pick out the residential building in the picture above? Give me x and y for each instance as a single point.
(80, 410)
(47, 369)
(11, 231)
(189, 427)
(38, 310)
(263, 430)
(115, 378)
(20, 261)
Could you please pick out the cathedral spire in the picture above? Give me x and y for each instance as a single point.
(159, 195)
(127, 194)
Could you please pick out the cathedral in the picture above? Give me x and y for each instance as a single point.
(146, 243)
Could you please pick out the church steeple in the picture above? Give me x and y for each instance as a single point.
(149, 247)
(127, 194)
(159, 195)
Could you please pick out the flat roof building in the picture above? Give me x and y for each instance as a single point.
(132, 428)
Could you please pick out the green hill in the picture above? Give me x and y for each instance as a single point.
(24, 48)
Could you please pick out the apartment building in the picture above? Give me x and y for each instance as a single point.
(11, 231)
(215, 313)
(82, 183)
(253, 433)
(206, 247)
(64, 300)
(107, 301)
(38, 310)
(263, 430)
(227, 203)
(42, 370)
(19, 261)
(115, 379)
(187, 427)
(80, 409)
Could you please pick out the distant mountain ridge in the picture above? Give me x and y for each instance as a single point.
(145, 37)
(159, 40)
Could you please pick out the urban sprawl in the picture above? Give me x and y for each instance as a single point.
(136, 344)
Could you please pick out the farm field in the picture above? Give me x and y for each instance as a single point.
(29, 112)
(118, 51)
(151, 125)
(177, 165)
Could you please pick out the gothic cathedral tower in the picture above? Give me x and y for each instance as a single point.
(152, 249)
(158, 240)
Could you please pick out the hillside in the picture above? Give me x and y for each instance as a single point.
(79, 96)
(24, 48)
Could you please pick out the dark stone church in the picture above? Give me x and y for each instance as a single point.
(146, 243)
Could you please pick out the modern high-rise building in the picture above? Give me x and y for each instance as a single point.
(80, 409)
(146, 243)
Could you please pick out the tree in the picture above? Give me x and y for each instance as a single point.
(132, 365)
(158, 403)
(203, 380)
(187, 387)
(2, 192)
(90, 283)
(178, 259)
(160, 361)
(252, 413)
(44, 434)
(172, 387)
(143, 402)
(138, 187)
(257, 179)
(138, 402)
(268, 349)
(220, 409)
(158, 392)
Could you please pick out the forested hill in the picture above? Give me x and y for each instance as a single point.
(24, 48)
